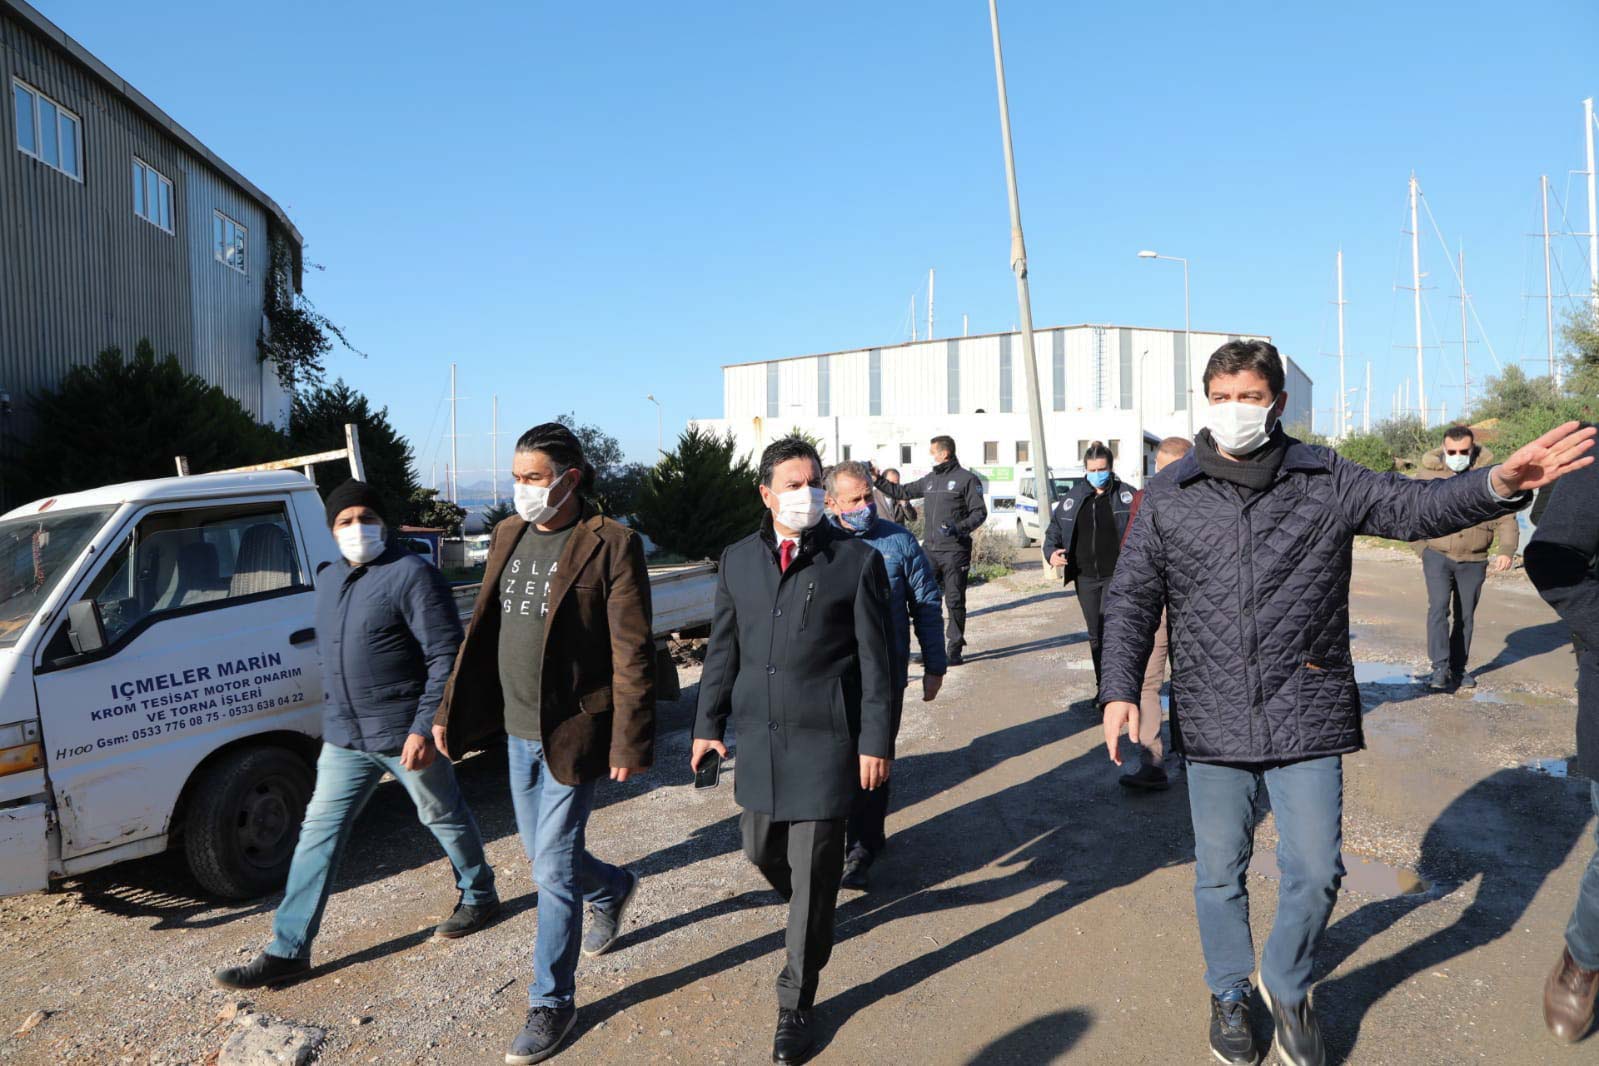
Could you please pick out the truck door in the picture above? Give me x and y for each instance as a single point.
(204, 617)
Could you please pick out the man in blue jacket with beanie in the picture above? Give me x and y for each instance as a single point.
(387, 632)
(914, 600)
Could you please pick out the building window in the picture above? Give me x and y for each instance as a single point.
(1004, 375)
(152, 195)
(875, 386)
(846, 453)
(1024, 451)
(824, 386)
(47, 131)
(952, 368)
(230, 242)
(1058, 366)
(990, 452)
(1125, 360)
(771, 390)
(904, 455)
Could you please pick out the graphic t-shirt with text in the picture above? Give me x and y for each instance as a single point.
(524, 607)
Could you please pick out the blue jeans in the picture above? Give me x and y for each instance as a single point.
(345, 780)
(1308, 801)
(1582, 935)
(552, 819)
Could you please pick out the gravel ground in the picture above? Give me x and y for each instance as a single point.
(1026, 910)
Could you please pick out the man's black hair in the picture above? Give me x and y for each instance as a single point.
(1097, 450)
(1236, 357)
(944, 444)
(784, 449)
(1460, 433)
(562, 446)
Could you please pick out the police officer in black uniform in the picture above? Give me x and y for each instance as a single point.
(1085, 536)
(952, 510)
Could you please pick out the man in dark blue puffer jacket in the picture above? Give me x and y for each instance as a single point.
(387, 633)
(1247, 544)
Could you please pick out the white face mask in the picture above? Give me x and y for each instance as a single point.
(1458, 463)
(800, 509)
(533, 502)
(1240, 428)
(359, 542)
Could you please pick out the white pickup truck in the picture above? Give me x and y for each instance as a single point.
(159, 683)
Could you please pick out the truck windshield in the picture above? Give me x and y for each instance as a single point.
(34, 554)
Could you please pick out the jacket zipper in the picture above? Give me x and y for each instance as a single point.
(805, 613)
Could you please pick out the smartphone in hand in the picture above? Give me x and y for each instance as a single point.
(710, 770)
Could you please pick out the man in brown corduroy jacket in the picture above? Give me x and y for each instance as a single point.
(1456, 566)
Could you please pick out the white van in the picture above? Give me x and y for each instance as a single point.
(158, 677)
(1028, 528)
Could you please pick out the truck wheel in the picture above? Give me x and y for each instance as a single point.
(244, 819)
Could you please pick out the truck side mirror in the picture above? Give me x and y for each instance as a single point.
(85, 628)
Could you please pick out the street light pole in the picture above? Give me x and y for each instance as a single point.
(1188, 335)
(1018, 263)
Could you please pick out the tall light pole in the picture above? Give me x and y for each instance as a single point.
(1188, 335)
(1018, 265)
(660, 425)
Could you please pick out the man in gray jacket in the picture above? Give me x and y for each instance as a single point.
(387, 632)
(1246, 544)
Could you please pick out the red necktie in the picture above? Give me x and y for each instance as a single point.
(785, 555)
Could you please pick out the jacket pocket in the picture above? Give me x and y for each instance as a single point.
(596, 701)
(840, 712)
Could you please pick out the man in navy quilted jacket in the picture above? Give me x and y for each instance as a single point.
(1246, 542)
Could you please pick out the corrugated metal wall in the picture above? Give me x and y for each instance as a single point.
(80, 272)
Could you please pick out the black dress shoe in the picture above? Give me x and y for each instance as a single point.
(263, 971)
(795, 1041)
(855, 870)
(1231, 1039)
(1298, 1036)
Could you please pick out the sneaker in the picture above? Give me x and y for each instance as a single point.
(1298, 1035)
(794, 1041)
(263, 971)
(1466, 681)
(1232, 1040)
(1146, 777)
(1439, 679)
(855, 870)
(542, 1035)
(956, 659)
(466, 920)
(605, 925)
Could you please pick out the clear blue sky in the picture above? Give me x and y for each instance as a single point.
(584, 203)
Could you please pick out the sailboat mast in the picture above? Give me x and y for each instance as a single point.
(1415, 281)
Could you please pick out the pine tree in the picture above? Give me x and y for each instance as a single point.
(698, 499)
(316, 424)
(120, 419)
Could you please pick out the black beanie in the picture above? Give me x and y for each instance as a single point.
(353, 493)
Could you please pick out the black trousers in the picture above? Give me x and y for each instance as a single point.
(867, 818)
(951, 566)
(803, 862)
(1452, 588)
(1091, 598)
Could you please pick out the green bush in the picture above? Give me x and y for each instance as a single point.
(120, 419)
(1369, 451)
(699, 499)
(316, 424)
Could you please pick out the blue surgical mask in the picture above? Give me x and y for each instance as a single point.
(860, 519)
(1098, 478)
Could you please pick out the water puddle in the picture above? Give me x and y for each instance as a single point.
(1383, 674)
(1547, 767)
(1483, 696)
(1365, 877)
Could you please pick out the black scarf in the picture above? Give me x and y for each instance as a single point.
(1253, 472)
